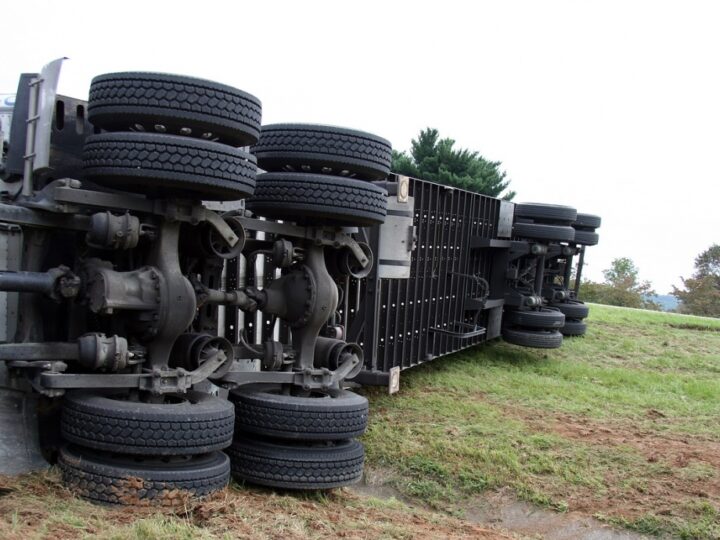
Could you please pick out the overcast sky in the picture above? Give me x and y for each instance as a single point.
(610, 107)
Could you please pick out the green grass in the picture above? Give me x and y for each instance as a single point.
(36, 506)
(493, 417)
(623, 424)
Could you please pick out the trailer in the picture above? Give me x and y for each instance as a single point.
(189, 295)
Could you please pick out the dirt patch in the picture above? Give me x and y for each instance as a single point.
(674, 450)
(38, 506)
(690, 466)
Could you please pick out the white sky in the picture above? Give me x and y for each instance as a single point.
(610, 107)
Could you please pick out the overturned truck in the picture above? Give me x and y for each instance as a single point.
(169, 317)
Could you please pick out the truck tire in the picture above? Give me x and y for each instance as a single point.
(538, 339)
(588, 221)
(546, 213)
(574, 327)
(297, 466)
(573, 309)
(586, 238)
(536, 231)
(192, 423)
(169, 166)
(265, 410)
(543, 318)
(117, 479)
(181, 105)
(323, 149)
(318, 199)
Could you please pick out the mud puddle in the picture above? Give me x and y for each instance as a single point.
(503, 512)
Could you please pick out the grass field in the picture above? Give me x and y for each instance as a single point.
(623, 424)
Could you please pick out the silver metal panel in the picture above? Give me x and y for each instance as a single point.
(396, 240)
(225, 206)
(494, 322)
(505, 219)
(394, 380)
(10, 254)
(403, 189)
(45, 112)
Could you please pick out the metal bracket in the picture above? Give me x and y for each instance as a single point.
(221, 226)
(157, 381)
(320, 236)
(68, 191)
(321, 379)
(38, 368)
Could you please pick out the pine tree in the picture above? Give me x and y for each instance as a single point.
(435, 159)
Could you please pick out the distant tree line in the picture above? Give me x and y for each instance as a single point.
(621, 287)
(699, 294)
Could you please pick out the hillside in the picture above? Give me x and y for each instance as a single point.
(623, 425)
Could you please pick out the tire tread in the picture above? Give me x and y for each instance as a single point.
(119, 99)
(278, 465)
(173, 433)
(102, 483)
(168, 164)
(326, 198)
(364, 155)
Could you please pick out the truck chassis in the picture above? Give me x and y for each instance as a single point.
(162, 302)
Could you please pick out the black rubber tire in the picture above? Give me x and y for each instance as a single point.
(572, 309)
(549, 213)
(169, 166)
(574, 327)
(117, 479)
(588, 220)
(119, 101)
(323, 149)
(297, 466)
(318, 199)
(586, 238)
(544, 318)
(264, 410)
(536, 231)
(537, 339)
(196, 423)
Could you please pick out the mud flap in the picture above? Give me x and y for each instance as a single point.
(19, 440)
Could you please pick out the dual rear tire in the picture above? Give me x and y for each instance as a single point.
(538, 328)
(171, 136)
(122, 451)
(544, 222)
(297, 442)
(112, 478)
(575, 311)
(321, 175)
